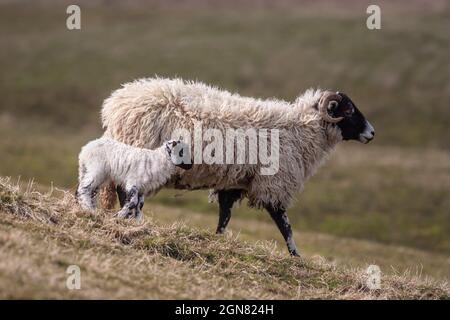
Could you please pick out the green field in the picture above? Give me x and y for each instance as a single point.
(394, 190)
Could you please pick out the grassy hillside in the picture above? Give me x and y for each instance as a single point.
(394, 191)
(41, 235)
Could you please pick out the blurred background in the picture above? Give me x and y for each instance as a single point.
(388, 201)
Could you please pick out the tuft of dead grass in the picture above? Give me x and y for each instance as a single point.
(42, 234)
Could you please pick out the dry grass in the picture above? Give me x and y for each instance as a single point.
(394, 191)
(348, 252)
(40, 235)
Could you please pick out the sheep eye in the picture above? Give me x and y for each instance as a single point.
(349, 111)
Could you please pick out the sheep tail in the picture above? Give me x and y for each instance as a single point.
(108, 196)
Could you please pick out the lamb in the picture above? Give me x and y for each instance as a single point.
(145, 112)
(138, 171)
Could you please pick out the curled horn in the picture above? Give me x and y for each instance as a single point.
(327, 101)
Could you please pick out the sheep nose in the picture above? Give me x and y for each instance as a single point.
(369, 131)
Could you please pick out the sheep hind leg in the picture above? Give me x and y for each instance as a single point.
(226, 200)
(86, 193)
(281, 219)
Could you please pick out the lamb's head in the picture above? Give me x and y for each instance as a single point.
(339, 109)
(179, 154)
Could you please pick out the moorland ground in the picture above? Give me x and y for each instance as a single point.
(386, 203)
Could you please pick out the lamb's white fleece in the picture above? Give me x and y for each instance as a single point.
(105, 159)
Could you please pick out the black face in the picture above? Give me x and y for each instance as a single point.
(354, 126)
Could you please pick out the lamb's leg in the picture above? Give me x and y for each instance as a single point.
(86, 194)
(121, 193)
(89, 181)
(226, 200)
(281, 219)
(138, 213)
(130, 204)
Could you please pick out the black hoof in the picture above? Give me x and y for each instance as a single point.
(294, 254)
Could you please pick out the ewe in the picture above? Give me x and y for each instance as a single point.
(146, 112)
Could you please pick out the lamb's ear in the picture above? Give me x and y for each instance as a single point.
(168, 149)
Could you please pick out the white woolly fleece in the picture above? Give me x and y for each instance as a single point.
(146, 112)
(104, 159)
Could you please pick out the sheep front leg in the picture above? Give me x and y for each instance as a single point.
(226, 200)
(122, 194)
(281, 219)
(130, 204)
(138, 213)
